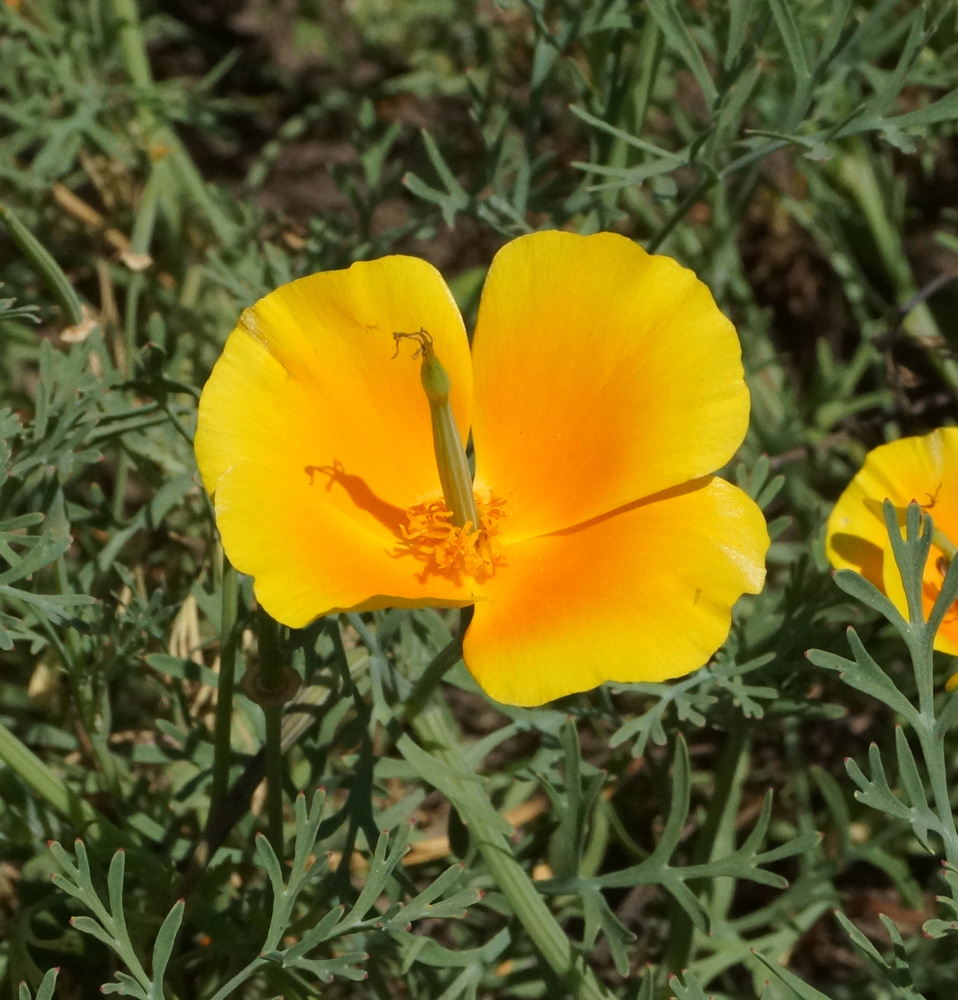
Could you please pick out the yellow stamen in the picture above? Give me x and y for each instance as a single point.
(453, 549)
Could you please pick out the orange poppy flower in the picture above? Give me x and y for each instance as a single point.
(602, 388)
(923, 469)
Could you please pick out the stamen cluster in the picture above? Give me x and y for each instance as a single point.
(433, 539)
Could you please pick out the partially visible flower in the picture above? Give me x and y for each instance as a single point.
(923, 469)
(603, 387)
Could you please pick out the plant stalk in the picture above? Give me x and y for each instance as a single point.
(270, 680)
(437, 733)
(921, 647)
(224, 690)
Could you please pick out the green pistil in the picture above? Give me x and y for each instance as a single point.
(454, 476)
(945, 544)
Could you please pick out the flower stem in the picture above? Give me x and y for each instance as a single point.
(438, 734)
(224, 691)
(422, 691)
(920, 641)
(274, 776)
(160, 138)
(715, 838)
(132, 44)
(270, 679)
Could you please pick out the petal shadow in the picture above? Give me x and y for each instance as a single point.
(360, 494)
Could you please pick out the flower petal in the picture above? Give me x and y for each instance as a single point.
(913, 468)
(924, 469)
(312, 370)
(309, 558)
(602, 375)
(946, 639)
(643, 594)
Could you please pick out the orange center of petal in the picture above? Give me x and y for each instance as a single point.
(470, 550)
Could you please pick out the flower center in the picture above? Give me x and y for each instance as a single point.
(445, 548)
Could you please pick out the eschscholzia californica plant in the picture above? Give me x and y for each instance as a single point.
(923, 469)
(602, 389)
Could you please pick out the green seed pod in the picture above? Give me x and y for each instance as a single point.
(454, 475)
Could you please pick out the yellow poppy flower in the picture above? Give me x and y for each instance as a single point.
(602, 388)
(923, 469)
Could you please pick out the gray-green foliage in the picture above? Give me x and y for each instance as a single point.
(44, 990)
(108, 923)
(919, 792)
(736, 136)
(437, 902)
